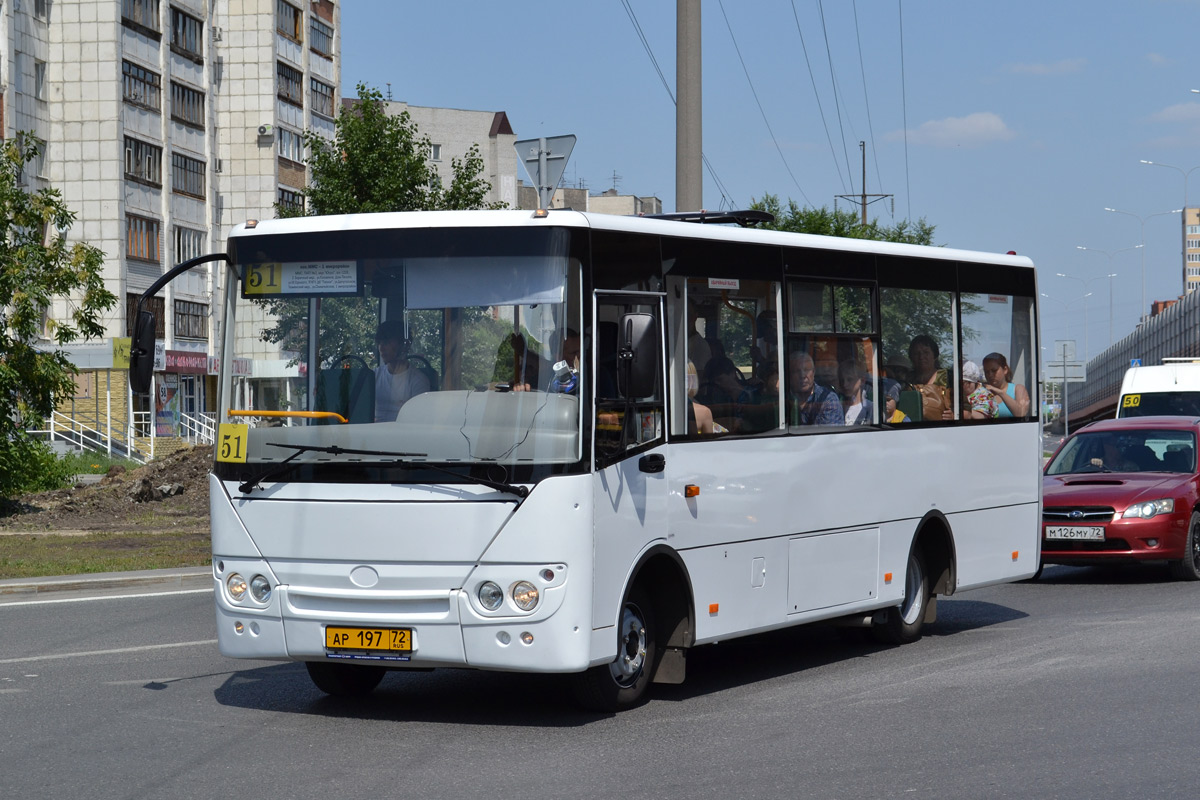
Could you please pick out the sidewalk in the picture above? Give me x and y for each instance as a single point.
(109, 582)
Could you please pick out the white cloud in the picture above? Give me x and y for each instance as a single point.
(1158, 60)
(1180, 112)
(973, 130)
(1064, 67)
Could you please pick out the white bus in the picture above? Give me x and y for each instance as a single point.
(1171, 388)
(596, 442)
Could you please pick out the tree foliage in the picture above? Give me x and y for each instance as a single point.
(38, 265)
(826, 222)
(375, 162)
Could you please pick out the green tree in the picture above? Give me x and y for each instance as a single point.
(375, 162)
(826, 222)
(38, 265)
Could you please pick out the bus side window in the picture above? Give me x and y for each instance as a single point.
(918, 350)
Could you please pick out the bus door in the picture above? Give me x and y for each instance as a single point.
(630, 487)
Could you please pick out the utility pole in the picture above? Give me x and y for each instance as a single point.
(861, 197)
(689, 186)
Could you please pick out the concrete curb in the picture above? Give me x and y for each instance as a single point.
(188, 578)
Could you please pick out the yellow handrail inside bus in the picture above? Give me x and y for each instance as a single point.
(303, 414)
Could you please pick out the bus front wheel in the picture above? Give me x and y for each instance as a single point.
(904, 623)
(344, 680)
(622, 683)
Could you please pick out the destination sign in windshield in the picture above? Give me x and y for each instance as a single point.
(306, 278)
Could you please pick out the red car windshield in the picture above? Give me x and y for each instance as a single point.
(1146, 450)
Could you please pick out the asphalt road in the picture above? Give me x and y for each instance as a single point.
(1079, 686)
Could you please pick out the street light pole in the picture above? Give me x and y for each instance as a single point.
(1110, 276)
(1142, 314)
(1183, 222)
(1087, 350)
(1063, 360)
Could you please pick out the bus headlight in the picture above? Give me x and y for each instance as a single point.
(525, 595)
(490, 595)
(260, 589)
(235, 584)
(1149, 509)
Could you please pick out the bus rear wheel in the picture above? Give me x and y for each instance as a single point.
(344, 680)
(904, 623)
(622, 683)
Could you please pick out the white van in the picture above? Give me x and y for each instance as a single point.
(1171, 388)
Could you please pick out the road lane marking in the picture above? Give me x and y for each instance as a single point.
(118, 651)
(104, 597)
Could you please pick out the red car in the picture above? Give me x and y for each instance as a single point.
(1125, 490)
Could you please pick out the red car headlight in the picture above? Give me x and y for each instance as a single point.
(1148, 509)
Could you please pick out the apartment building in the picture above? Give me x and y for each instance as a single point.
(167, 122)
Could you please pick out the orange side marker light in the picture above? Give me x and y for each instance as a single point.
(1015, 554)
(887, 577)
(713, 608)
(691, 490)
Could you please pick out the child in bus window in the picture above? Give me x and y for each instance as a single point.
(1012, 398)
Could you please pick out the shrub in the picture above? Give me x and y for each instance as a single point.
(27, 465)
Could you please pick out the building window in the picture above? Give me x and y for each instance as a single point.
(41, 10)
(291, 145)
(289, 20)
(187, 105)
(140, 14)
(320, 37)
(191, 319)
(186, 34)
(1193, 243)
(435, 152)
(141, 238)
(154, 305)
(141, 86)
(39, 80)
(143, 161)
(290, 84)
(189, 244)
(322, 98)
(1193, 229)
(187, 175)
(1193, 257)
(291, 200)
(1193, 272)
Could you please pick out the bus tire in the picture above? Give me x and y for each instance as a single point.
(622, 684)
(344, 680)
(1188, 567)
(904, 623)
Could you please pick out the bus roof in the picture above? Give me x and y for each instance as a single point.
(578, 219)
(1174, 376)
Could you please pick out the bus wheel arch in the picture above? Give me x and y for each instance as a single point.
(654, 627)
(929, 571)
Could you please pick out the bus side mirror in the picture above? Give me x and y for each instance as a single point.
(141, 352)
(637, 355)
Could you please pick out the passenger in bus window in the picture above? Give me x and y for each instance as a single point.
(1013, 397)
(858, 410)
(891, 395)
(808, 403)
(766, 344)
(929, 379)
(700, 418)
(516, 367)
(758, 404)
(395, 381)
(978, 402)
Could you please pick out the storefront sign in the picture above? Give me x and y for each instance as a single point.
(120, 352)
(181, 361)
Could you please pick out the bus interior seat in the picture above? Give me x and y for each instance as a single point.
(348, 390)
(911, 404)
(1177, 459)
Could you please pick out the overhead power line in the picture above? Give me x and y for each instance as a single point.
(726, 199)
(820, 110)
(766, 122)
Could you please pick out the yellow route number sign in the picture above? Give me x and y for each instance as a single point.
(1131, 401)
(231, 442)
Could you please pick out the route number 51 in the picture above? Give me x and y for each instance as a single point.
(231, 442)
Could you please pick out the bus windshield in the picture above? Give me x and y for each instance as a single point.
(1156, 404)
(420, 344)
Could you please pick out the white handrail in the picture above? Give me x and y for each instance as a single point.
(61, 426)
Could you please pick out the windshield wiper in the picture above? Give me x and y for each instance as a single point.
(285, 465)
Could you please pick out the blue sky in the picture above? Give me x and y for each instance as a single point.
(1014, 126)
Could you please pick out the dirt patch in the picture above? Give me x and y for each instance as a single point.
(170, 493)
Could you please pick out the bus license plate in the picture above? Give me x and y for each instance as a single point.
(389, 640)
(1092, 533)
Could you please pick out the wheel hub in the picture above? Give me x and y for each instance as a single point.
(631, 655)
